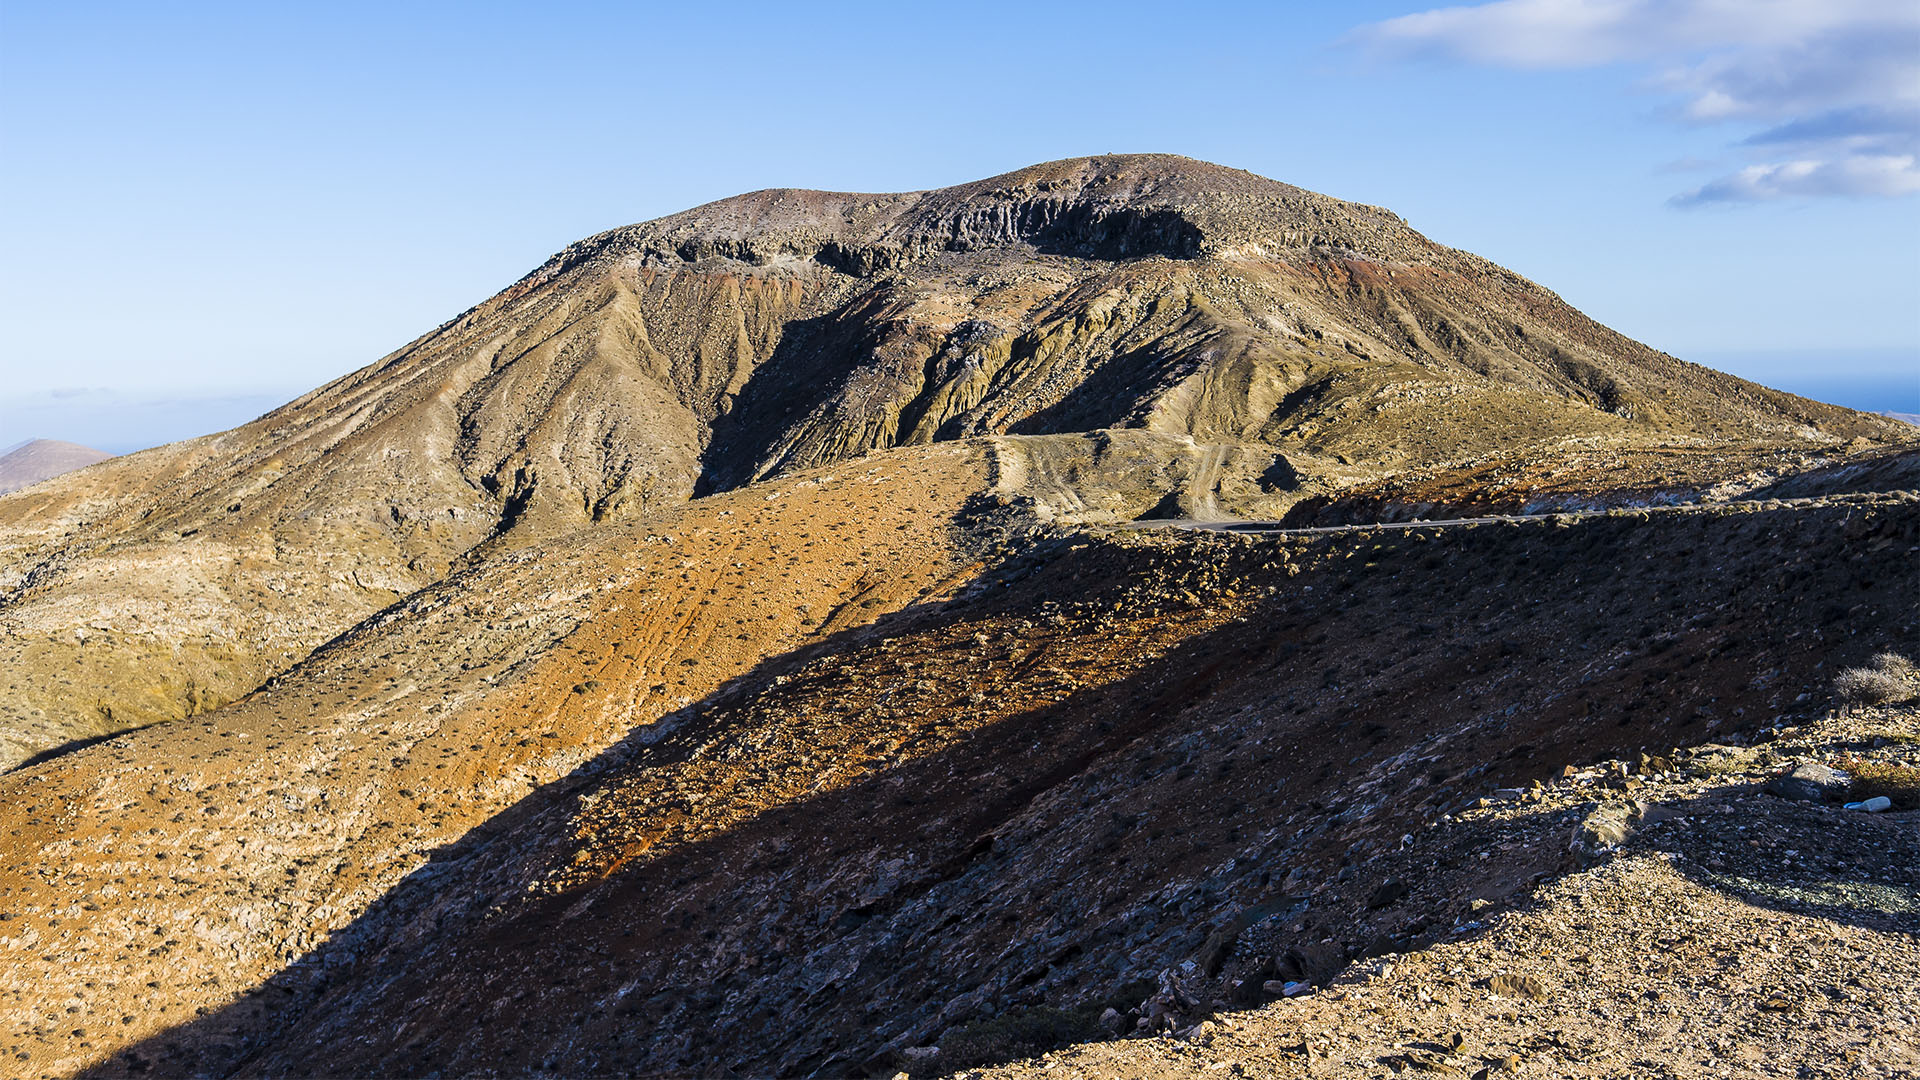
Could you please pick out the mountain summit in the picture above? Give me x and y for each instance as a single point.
(1162, 336)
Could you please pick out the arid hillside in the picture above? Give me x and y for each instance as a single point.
(836, 635)
(1283, 343)
(201, 855)
(559, 814)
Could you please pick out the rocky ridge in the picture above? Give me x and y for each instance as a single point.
(1725, 931)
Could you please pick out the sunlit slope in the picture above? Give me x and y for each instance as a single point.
(176, 867)
(782, 330)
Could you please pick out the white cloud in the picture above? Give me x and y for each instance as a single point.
(1855, 174)
(1581, 33)
(1836, 81)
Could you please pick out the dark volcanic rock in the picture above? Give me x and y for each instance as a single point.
(1810, 783)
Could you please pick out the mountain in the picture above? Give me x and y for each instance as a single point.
(778, 635)
(30, 462)
(1257, 344)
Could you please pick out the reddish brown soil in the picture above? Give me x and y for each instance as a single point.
(1043, 796)
(163, 874)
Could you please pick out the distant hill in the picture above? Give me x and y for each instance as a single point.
(28, 463)
(1911, 418)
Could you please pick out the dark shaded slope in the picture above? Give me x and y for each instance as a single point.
(1149, 751)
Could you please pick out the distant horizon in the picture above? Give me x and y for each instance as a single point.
(1875, 380)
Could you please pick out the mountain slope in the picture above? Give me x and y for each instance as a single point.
(489, 832)
(202, 854)
(1302, 343)
(1308, 341)
(42, 459)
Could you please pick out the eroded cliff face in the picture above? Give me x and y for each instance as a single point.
(1313, 343)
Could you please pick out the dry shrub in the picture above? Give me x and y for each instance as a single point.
(1888, 677)
(1901, 783)
(1021, 1034)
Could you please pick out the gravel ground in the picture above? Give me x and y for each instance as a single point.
(1733, 933)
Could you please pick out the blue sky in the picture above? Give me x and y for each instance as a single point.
(229, 204)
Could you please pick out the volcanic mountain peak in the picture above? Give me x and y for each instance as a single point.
(746, 609)
(1158, 335)
(1111, 207)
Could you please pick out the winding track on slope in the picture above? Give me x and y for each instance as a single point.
(1276, 528)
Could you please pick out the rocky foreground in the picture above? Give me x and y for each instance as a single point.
(1704, 925)
(1158, 772)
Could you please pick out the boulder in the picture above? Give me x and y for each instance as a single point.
(1811, 783)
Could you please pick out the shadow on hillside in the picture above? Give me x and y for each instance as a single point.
(814, 360)
(71, 746)
(1858, 869)
(1011, 885)
(409, 952)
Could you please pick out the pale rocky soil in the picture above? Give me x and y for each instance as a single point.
(1735, 933)
(1579, 476)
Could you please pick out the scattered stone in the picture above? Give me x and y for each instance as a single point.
(1714, 759)
(1603, 829)
(1811, 782)
(1389, 893)
(1518, 986)
(1428, 1062)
